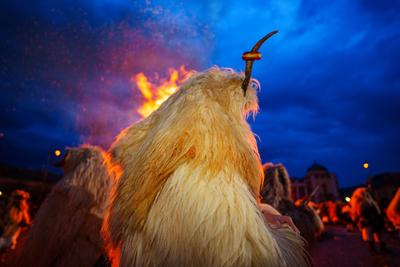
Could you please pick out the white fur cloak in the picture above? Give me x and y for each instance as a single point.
(66, 229)
(189, 188)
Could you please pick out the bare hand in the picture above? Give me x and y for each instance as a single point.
(277, 219)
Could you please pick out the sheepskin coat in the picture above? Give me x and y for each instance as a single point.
(393, 210)
(277, 192)
(66, 229)
(190, 183)
(365, 211)
(16, 217)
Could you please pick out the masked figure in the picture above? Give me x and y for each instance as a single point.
(189, 190)
(277, 192)
(66, 229)
(17, 217)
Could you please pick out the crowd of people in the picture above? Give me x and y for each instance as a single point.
(362, 213)
(359, 213)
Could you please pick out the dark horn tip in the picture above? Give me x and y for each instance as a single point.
(251, 56)
(273, 32)
(262, 40)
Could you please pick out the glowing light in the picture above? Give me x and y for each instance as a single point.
(156, 91)
(365, 165)
(347, 199)
(57, 152)
(1, 193)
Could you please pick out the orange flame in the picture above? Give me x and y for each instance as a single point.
(157, 91)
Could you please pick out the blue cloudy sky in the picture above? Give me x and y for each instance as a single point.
(330, 80)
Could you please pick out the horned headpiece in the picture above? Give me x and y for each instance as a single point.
(250, 56)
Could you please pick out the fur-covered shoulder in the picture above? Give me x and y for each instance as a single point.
(277, 184)
(203, 122)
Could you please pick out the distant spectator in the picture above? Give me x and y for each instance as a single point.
(16, 217)
(393, 211)
(328, 212)
(346, 217)
(276, 192)
(332, 211)
(366, 213)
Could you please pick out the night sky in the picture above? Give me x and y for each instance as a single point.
(330, 80)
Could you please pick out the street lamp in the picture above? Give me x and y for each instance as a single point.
(367, 172)
(57, 152)
(365, 165)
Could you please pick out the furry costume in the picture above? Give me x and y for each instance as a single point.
(190, 183)
(277, 192)
(361, 205)
(366, 213)
(17, 217)
(66, 229)
(393, 210)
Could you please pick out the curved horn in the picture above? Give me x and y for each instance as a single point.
(250, 56)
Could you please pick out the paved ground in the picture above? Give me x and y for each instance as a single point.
(344, 249)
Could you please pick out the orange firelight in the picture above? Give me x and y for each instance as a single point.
(156, 91)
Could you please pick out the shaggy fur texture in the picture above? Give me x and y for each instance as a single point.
(393, 210)
(360, 198)
(66, 229)
(190, 183)
(277, 185)
(16, 217)
(276, 192)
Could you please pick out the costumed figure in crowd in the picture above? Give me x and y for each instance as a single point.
(66, 229)
(329, 212)
(346, 217)
(16, 218)
(277, 192)
(393, 211)
(332, 211)
(191, 176)
(366, 213)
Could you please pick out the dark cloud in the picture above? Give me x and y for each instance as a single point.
(382, 9)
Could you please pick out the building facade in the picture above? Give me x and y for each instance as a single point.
(317, 176)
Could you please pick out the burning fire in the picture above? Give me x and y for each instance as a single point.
(156, 91)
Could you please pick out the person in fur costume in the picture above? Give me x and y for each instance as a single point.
(191, 174)
(277, 192)
(366, 213)
(66, 229)
(16, 218)
(393, 211)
